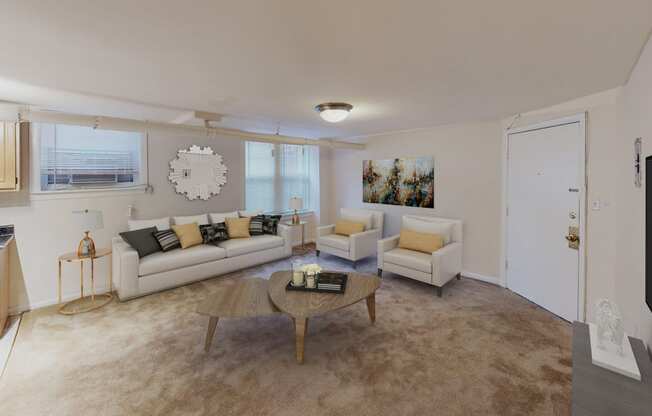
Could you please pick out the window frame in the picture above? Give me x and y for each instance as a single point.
(35, 171)
(277, 180)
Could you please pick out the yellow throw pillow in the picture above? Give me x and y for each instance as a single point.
(188, 234)
(238, 227)
(343, 227)
(426, 243)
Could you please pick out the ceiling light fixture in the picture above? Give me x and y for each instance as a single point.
(334, 112)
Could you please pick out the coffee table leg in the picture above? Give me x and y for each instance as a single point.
(300, 325)
(212, 323)
(371, 307)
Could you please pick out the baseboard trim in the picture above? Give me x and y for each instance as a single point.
(481, 277)
(66, 297)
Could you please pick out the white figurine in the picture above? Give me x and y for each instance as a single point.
(610, 326)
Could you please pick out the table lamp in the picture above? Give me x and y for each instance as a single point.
(88, 220)
(296, 203)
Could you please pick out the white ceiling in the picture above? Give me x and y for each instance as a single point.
(402, 64)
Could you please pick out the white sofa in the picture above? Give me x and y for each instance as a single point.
(356, 246)
(133, 276)
(436, 268)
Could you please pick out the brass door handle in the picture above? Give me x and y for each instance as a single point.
(573, 237)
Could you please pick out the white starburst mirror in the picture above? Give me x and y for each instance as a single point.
(198, 172)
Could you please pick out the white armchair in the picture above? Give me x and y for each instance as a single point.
(356, 246)
(436, 268)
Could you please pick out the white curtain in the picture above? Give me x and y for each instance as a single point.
(277, 172)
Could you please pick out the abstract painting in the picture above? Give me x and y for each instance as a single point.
(407, 181)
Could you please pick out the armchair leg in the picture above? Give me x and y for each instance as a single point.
(459, 276)
(317, 253)
(380, 273)
(440, 290)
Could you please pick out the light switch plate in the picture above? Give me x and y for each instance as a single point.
(596, 205)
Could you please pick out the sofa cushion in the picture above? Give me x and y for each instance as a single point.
(410, 259)
(189, 234)
(256, 225)
(201, 219)
(238, 227)
(344, 227)
(250, 213)
(214, 233)
(443, 228)
(160, 224)
(270, 225)
(167, 239)
(240, 246)
(360, 217)
(218, 217)
(142, 241)
(337, 241)
(423, 242)
(177, 259)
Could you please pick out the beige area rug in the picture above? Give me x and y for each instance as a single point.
(479, 350)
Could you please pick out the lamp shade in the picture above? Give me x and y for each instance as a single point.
(89, 220)
(296, 203)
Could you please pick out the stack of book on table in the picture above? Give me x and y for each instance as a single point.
(332, 282)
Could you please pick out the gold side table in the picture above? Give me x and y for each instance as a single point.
(301, 224)
(93, 301)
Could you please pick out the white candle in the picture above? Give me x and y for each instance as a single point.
(310, 281)
(297, 278)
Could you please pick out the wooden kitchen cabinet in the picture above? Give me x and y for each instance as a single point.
(9, 160)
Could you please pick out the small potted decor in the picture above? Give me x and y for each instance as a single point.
(311, 272)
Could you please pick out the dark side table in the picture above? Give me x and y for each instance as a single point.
(597, 391)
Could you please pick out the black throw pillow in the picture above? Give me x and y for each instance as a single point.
(142, 241)
(167, 239)
(270, 224)
(213, 233)
(256, 225)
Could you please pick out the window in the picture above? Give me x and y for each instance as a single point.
(81, 157)
(277, 172)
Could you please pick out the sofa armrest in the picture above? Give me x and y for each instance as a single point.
(384, 245)
(325, 230)
(446, 263)
(284, 231)
(363, 244)
(125, 268)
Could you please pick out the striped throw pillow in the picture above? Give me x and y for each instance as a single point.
(256, 225)
(167, 239)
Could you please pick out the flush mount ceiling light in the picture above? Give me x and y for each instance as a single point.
(334, 112)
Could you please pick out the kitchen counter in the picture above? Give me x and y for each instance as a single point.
(6, 235)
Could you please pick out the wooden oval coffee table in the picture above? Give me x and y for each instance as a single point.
(303, 305)
(243, 299)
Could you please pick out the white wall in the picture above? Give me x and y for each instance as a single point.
(467, 183)
(630, 269)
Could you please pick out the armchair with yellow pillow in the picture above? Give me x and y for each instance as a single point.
(428, 249)
(353, 236)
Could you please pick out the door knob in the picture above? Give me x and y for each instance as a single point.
(573, 237)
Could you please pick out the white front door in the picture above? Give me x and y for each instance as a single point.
(545, 188)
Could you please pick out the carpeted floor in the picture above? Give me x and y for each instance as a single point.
(479, 350)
